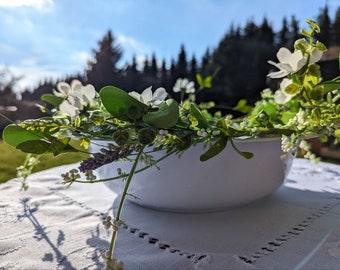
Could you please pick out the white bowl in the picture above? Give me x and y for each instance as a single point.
(186, 184)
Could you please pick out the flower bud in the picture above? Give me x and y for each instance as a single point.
(120, 137)
(146, 136)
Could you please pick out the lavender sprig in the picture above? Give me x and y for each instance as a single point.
(105, 156)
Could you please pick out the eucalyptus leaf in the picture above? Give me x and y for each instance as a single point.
(118, 102)
(165, 117)
(215, 149)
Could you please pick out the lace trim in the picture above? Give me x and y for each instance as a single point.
(163, 246)
(196, 258)
(279, 241)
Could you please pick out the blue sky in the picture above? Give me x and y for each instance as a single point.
(52, 38)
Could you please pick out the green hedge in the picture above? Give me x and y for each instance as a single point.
(11, 158)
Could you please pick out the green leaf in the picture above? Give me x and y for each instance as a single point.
(337, 133)
(293, 89)
(215, 149)
(203, 83)
(269, 109)
(49, 146)
(37, 147)
(166, 116)
(207, 82)
(15, 135)
(246, 155)
(329, 86)
(200, 80)
(222, 125)
(286, 116)
(316, 93)
(195, 111)
(242, 106)
(52, 99)
(118, 102)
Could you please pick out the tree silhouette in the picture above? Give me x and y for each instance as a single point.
(336, 28)
(324, 22)
(283, 35)
(182, 65)
(102, 70)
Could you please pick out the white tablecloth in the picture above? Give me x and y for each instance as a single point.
(50, 227)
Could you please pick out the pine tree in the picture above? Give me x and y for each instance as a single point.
(164, 77)
(206, 61)
(250, 30)
(325, 24)
(154, 70)
(336, 28)
(283, 35)
(181, 67)
(102, 70)
(266, 33)
(193, 69)
(294, 32)
(132, 78)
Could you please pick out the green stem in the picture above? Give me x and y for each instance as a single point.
(122, 200)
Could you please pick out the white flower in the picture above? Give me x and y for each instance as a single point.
(202, 133)
(76, 96)
(287, 144)
(281, 96)
(314, 53)
(184, 85)
(149, 98)
(289, 63)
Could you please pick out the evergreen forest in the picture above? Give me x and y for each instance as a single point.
(238, 65)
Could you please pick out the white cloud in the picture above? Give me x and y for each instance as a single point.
(130, 43)
(80, 57)
(38, 4)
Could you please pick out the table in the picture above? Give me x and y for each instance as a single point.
(51, 227)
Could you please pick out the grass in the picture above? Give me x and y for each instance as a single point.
(11, 158)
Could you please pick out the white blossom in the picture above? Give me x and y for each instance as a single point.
(151, 99)
(289, 63)
(184, 85)
(202, 133)
(281, 96)
(76, 96)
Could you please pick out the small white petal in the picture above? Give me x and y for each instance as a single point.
(315, 56)
(76, 85)
(135, 95)
(89, 93)
(65, 106)
(283, 55)
(64, 88)
(146, 95)
(297, 61)
(160, 94)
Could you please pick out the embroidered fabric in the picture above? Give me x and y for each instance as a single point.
(50, 227)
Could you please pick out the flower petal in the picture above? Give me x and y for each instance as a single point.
(146, 95)
(283, 55)
(63, 88)
(160, 94)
